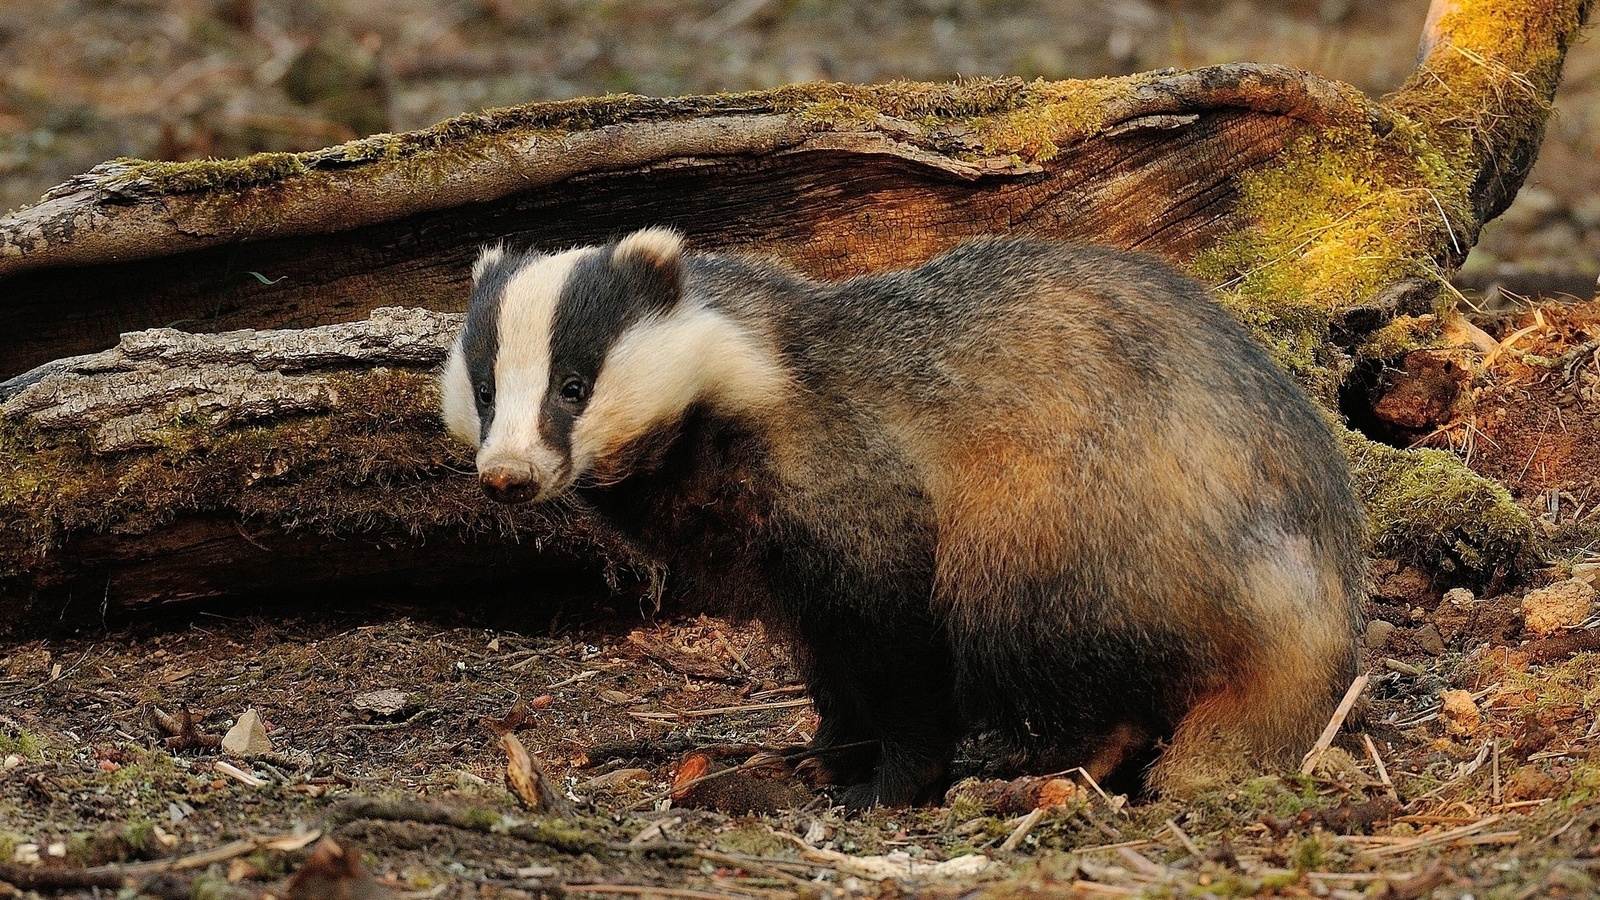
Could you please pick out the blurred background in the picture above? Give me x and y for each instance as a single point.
(81, 82)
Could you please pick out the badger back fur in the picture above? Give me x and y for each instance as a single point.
(1046, 491)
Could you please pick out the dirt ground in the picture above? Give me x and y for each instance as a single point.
(1482, 710)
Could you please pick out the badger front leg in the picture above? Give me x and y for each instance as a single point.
(885, 682)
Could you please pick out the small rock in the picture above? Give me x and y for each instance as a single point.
(385, 702)
(1378, 632)
(1404, 668)
(1455, 614)
(1459, 713)
(614, 779)
(611, 696)
(1588, 573)
(247, 736)
(1561, 605)
(1429, 639)
(1531, 783)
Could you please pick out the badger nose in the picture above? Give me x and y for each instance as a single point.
(508, 485)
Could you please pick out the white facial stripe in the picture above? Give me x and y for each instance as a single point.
(659, 367)
(455, 389)
(522, 367)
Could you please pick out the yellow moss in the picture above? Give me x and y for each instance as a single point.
(1007, 115)
(1499, 56)
(1402, 335)
(1054, 115)
(1427, 507)
(1341, 215)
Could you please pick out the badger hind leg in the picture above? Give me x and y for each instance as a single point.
(1261, 720)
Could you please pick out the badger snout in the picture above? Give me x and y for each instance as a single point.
(509, 484)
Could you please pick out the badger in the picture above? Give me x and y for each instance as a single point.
(1050, 494)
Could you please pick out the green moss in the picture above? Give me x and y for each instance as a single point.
(1308, 854)
(483, 819)
(211, 174)
(1499, 57)
(22, 743)
(1428, 508)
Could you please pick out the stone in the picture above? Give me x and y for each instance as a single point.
(1378, 633)
(247, 736)
(1429, 639)
(385, 702)
(1588, 573)
(1561, 605)
(1459, 712)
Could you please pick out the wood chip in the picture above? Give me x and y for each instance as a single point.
(527, 780)
(238, 774)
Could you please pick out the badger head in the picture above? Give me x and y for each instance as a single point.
(568, 361)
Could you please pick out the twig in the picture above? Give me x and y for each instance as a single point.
(1141, 863)
(720, 710)
(1022, 829)
(1142, 842)
(1332, 729)
(647, 890)
(1188, 844)
(119, 876)
(757, 762)
(1415, 887)
(1097, 789)
(527, 779)
(1434, 840)
(1494, 770)
(392, 726)
(232, 771)
(551, 832)
(1081, 886)
(1383, 771)
(753, 866)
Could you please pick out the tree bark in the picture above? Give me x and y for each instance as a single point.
(179, 466)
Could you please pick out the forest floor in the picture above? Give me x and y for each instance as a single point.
(1482, 775)
(382, 733)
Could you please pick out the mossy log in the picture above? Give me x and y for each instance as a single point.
(1323, 217)
(176, 467)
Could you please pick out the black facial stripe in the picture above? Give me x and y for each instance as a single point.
(599, 301)
(480, 339)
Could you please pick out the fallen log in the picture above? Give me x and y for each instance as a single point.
(182, 466)
(177, 467)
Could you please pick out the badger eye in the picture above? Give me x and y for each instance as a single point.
(574, 389)
(485, 393)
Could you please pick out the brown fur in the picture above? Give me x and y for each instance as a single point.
(1045, 491)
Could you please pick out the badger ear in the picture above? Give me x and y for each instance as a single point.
(658, 247)
(655, 255)
(488, 256)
